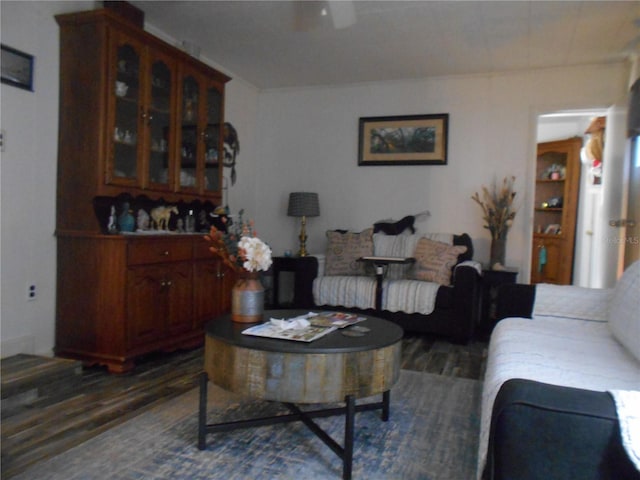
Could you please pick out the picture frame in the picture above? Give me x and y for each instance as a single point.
(16, 68)
(403, 140)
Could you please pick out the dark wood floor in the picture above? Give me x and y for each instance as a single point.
(71, 410)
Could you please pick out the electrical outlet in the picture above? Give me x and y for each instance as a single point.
(31, 292)
(2, 140)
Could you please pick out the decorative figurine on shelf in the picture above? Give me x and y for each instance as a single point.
(161, 216)
(203, 221)
(144, 221)
(190, 222)
(111, 224)
(231, 148)
(126, 222)
(222, 220)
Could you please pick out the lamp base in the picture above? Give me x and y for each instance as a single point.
(303, 238)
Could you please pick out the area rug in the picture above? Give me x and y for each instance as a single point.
(432, 434)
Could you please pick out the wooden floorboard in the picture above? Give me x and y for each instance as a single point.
(73, 410)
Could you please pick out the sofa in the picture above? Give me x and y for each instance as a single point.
(561, 393)
(438, 294)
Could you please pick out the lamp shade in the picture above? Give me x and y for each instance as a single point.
(303, 204)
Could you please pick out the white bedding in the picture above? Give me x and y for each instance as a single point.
(560, 351)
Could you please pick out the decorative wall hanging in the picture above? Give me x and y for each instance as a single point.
(17, 68)
(231, 148)
(404, 140)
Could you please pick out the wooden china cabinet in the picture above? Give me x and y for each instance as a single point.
(141, 121)
(555, 211)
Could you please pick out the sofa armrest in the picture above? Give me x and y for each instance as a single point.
(466, 284)
(570, 301)
(322, 259)
(548, 431)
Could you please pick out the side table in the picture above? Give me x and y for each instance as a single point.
(491, 281)
(304, 269)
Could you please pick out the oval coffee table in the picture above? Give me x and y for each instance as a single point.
(333, 368)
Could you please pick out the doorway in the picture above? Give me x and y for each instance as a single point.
(562, 125)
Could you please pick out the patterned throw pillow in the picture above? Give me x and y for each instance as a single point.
(344, 249)
(435, 260)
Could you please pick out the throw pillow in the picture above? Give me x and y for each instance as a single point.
(344, 249)
(624, 321)
(435, 260)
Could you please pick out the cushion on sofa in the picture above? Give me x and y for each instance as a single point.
(435, 260)
(409, 296)
(624, 320)
(350, 291)
(344, 249)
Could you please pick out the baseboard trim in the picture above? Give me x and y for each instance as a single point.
(14, 346)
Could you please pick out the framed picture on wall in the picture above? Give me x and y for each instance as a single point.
(17, 68)
(403, 140)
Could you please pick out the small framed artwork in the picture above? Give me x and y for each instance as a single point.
(16, 68)
(403, 140)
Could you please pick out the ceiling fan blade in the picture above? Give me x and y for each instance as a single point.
(309, 15)
(306, 15)
(343, 13)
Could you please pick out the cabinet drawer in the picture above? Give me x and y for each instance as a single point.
(158, 251)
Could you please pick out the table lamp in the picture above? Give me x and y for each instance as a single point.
(303, 204)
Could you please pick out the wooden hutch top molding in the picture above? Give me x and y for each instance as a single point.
(108, 15)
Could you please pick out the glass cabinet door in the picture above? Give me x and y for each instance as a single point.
(158, 117)
(189, 133)
(123, 166)
(213, 141)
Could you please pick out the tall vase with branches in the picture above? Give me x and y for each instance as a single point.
(498, 213)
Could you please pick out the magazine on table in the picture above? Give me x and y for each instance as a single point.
(335, 319)
(304, 328)
(305, 334)
(298, 329)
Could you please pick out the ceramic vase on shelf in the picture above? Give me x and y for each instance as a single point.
(247, 298)
(498, 250)
(126, 222)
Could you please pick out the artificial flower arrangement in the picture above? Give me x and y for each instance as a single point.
(497, 207)
(237, 245)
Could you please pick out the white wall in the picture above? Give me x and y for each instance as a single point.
(28, 183)
(308, 140)
(294, 139)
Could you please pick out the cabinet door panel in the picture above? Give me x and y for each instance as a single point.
(213, 140)
(552, 270)
(208, 291)
(179, 298)
(146, 293)
(189, 132)
(126, 101)
(159, 115)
